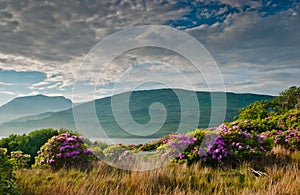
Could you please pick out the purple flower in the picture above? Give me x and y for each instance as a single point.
(181, 156)
(88, 151)
(247, 135)
(235, 127)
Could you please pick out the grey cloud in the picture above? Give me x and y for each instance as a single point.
(267, 42)
(53, 36)
(59, 30)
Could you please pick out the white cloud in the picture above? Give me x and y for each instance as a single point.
(6, 84)
(53, 37)
(8, 92)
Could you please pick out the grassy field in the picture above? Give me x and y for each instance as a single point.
(280, 174)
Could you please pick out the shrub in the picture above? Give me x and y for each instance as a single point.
(29, 144)
(176, 145)
(244, 145)
(153, 145)
(64, 150)
(289, 139)
(18, 159)
(7, 178)
(256, 110)
(287, 100)
(214, 148)
(226, 144)
(116, 153)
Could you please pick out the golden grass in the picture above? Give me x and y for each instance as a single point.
(283, 177)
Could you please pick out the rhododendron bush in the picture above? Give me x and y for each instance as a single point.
(7, 177)
(117, 153)
(64, 150)
(227, 143)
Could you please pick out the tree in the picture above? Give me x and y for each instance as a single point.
(256, 110)
(28, 144)
(287, 100)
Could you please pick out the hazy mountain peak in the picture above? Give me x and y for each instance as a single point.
(32, 105)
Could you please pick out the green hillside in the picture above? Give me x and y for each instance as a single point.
(139, 108)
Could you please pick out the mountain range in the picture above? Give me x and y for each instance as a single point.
(32, 105)
(36, 112)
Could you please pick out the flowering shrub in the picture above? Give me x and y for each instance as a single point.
(3, 152)
(213, 148)
(7, 178)
(18, 159)
(227, 143)
(289, 120)
(257, 126)
(153, 145)
(243, 144)
(176, 146)
(118, 152)
(64, 150)
(289, 139)
(29, 143)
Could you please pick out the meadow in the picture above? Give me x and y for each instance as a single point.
(280, 174)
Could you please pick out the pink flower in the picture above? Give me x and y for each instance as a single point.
(181, 156)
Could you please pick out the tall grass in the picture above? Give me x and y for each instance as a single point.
(282, 169)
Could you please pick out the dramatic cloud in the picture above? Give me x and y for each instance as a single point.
(255, 43)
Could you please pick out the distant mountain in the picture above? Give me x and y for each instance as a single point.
(32, 105)
(139, 108)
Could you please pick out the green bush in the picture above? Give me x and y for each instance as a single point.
(19, 160)
(289, 139)
(244, 144)
(228, 144)
(29, 144)
(7, 178)
(116, 153)
(64, 150)
(153, 145)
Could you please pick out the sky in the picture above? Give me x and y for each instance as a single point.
(45, 46)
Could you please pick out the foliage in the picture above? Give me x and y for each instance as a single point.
(256, 110)
(19, 160)
(153, 145)
(116, 153)
(288, 120)
(289, 139)
(7, 177)
(244, 144)
(214, 148)
(30, 143)
(287, 100)
(64, 150)
(227, 144)
(175, 146)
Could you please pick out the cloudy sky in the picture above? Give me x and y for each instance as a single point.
(44, 45)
